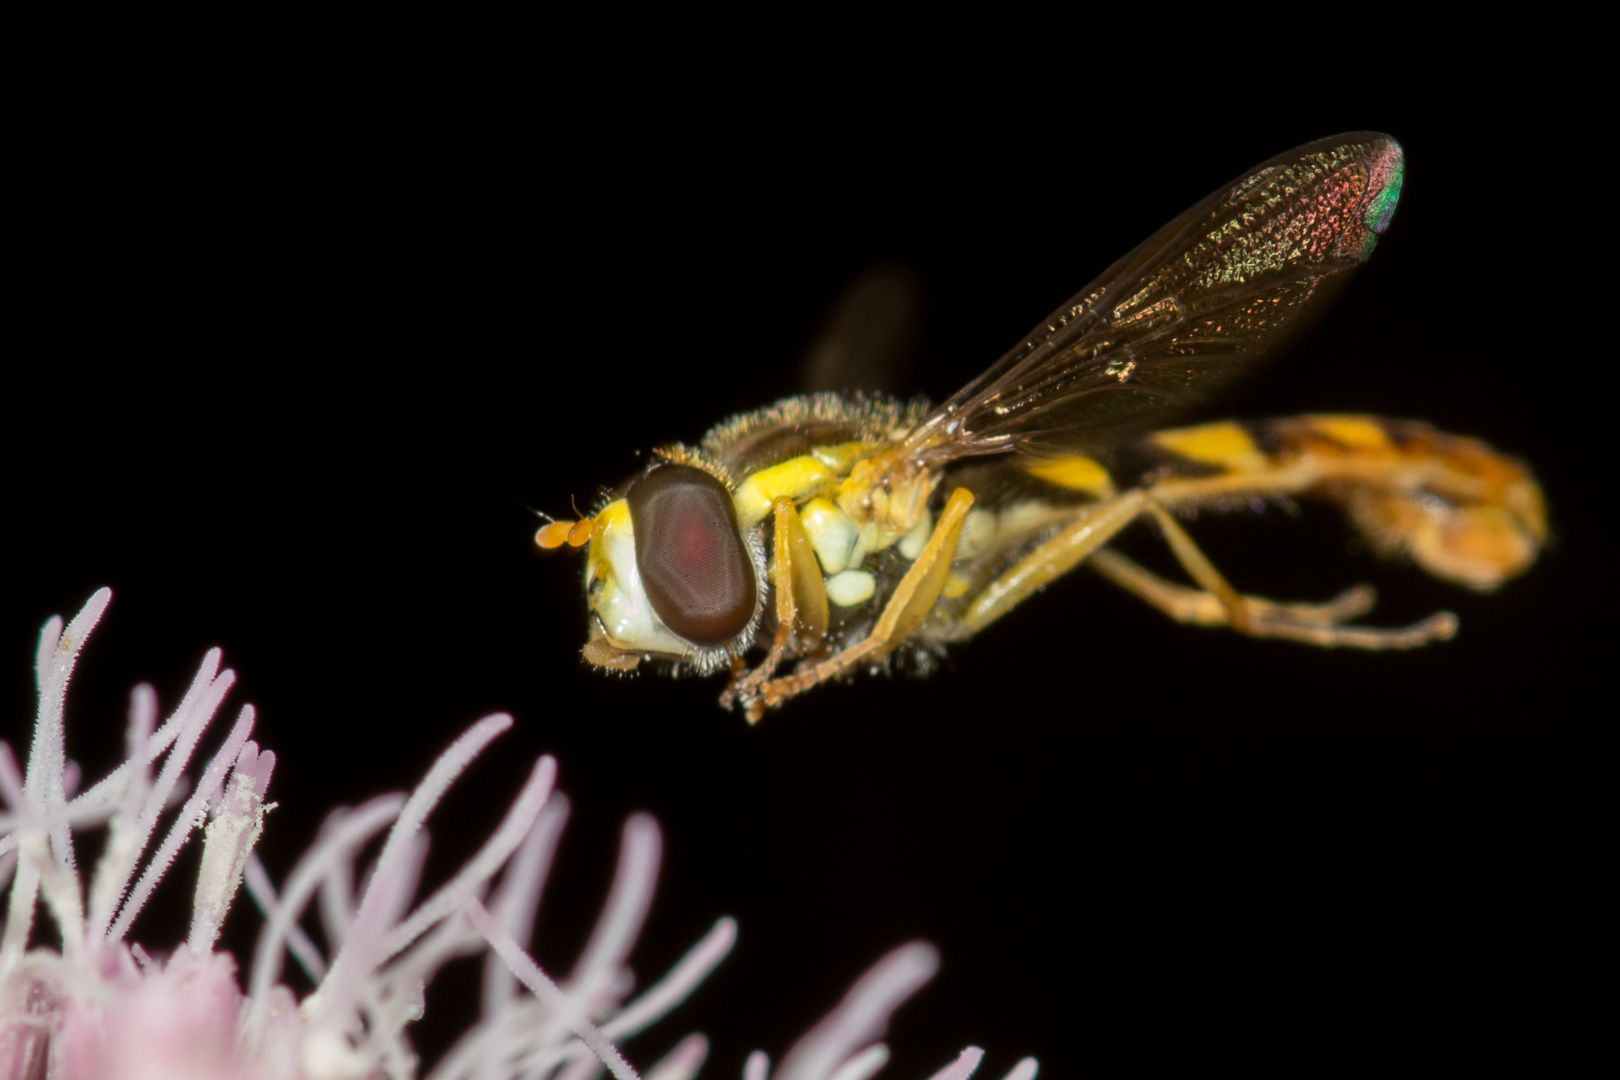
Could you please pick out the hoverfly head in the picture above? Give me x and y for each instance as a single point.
(671, 573)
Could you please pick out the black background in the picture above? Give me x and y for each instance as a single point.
(290, 365)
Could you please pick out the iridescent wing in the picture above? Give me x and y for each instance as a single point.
(1187, 313)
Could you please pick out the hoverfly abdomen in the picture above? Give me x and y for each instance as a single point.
(1457, 507)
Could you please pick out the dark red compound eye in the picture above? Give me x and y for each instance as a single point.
(691, 556)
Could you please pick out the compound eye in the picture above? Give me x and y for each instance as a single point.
(690, 554)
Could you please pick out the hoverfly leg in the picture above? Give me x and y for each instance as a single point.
(1441, 626)
(1309, 624)
(1094, 527)
(1354, 602)
(1198, 608)
(914, 597)
(912, 600)
(1199, 568)
(801, 606)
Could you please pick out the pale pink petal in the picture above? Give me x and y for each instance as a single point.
(1024, 1070)
(446, 768)
(517, 903)
(673, 988)
(489, 859)
(962, 1067)
(683, 1062)
(529, 973)
(640, 850)
(863, 1015)
(207, 792)
(358, 826)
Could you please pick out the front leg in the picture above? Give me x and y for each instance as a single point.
(801, 606)
(910, 604)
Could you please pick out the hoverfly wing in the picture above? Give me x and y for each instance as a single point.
(868, 340)
(1187, 313)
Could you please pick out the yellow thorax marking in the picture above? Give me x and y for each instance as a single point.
(797, 478)
(1223, 443)
(1075, 472)
(840, 457)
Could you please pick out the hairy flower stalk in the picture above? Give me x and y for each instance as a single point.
(99, 1005)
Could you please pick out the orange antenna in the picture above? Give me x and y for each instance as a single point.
(556, 533)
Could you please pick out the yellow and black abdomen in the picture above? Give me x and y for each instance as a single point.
(1462, 510)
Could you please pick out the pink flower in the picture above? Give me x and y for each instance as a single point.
(100, 1006)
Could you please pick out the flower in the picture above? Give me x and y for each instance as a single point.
(100, 1005)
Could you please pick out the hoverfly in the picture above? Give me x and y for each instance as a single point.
(838, 531)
